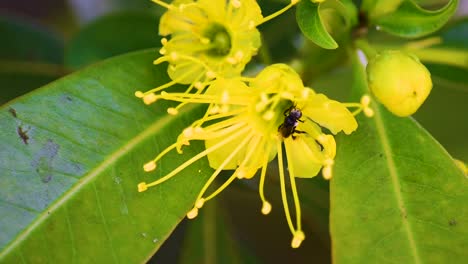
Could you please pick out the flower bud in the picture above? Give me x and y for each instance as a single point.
(399, 81)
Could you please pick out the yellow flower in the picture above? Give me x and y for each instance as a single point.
(244, 129)
(208, 39)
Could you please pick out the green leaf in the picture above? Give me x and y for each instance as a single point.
(411, 21)
(311, 24)
(112, 35)
(71, 158)
(23, 66)
(396, 195)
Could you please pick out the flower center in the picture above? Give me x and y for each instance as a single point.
(220, 40)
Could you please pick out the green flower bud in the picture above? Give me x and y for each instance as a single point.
(399, 81)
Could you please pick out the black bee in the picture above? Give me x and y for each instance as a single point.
(291, 120)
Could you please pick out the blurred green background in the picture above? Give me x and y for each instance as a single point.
(46, 40)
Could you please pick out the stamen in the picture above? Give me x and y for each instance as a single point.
(268, 115)
(327, 171)
(149, 98)
(279, 12)
(239, 55)
(192, 213)
(236, 3)
(142, 187)
(139, 94)
(172, 111)
(297, 239)
(266, 207)
(292, 180)
(195, 158)
(149, 166)
(163, 4)
(222, 165)
(283, 187)
(210, 74)
(164, 41)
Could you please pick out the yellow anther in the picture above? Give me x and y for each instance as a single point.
(239, 55)
(368, 112)
(225, 97)
(188, 132)
(365, 100)
(162, 51)
(199, 130)
(150, 166)
(251, 24)
(236, 3)
(268, 115)
(266, 208)
(205, 41)
(174, 56)
(164, 41)
(327, 172)
(139, 94)
(172, 111)
(199, 85)
(192, 213)
(142, 187)
(211, 74)
(149, 98)
(231, 60)
(214, 109)
(240, 173)
(297, 239)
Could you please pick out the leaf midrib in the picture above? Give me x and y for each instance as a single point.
(86, 179)
(395, 182)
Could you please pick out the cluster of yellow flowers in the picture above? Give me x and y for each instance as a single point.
(248, 118)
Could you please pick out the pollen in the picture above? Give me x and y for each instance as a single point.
(236, 3)
(150, 166)
(142, 187)
(266, 208)
(149, 98)
(172, 111)
(192, 213)
(297, 239)
(139, 94)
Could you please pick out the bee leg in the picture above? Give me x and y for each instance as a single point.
(286, 112)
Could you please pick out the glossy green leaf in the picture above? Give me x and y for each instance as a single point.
(112, 35)
(23, 66)
(310, 22)
(71, 158)
(396, 195)
(411, 21)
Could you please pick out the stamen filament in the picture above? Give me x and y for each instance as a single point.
(283, 187)
(196, 157)
(163, 4)
(221, 167)
(297, 205)
(277, 13)
(263, 174)
(202, 98)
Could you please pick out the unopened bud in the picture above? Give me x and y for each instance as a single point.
(399, 81)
